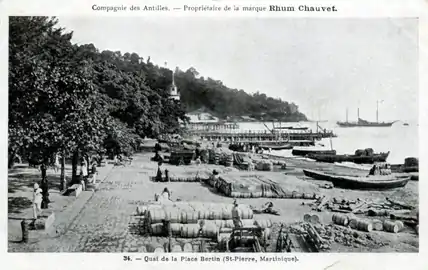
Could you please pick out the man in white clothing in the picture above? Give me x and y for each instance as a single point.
(37, 200)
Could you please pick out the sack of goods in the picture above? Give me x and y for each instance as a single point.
(360, 152)
(411, 162)
(369, 151)
(265, 165)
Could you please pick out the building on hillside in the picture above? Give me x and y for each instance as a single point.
(202, 115)
(201, 119)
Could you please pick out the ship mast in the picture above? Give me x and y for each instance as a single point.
(377, 110)
(346, 115)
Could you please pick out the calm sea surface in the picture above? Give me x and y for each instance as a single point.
(402, 141)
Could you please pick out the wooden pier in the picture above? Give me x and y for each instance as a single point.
(261, 136)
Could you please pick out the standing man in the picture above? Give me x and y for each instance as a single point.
(236, 215)
(37, 201)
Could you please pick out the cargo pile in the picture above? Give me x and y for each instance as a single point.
(220, 156)
(254, 186)
(194, 173)
(193, 219)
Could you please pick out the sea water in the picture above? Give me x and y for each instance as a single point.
(402, 141)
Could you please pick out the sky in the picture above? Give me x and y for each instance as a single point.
(323, 65)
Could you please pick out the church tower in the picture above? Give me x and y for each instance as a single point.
(173, 91)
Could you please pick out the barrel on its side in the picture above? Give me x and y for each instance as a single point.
(364, 225)
(176, 248)
(377, 225)
(263, 223)
(156, 216)
(210, 231)
(176, 228)
(390, 226)
(187, 247)
(340, 219)
(190, 231)
(157, 229)
(189, 217)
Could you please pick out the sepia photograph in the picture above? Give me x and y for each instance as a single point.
(213, 135)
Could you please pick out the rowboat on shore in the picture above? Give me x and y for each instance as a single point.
(368, 159)
(370, 182)
(305, 152)
(285, 146)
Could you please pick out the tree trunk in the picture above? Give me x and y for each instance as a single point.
(11, 160)
(62, 177)
(75, 164)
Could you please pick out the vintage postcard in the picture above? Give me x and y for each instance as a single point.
(160, 134)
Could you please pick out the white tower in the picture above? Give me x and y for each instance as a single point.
(173, 91)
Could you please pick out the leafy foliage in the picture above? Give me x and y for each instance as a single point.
(73, 98)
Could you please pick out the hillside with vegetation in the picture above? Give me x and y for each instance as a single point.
(197, 92)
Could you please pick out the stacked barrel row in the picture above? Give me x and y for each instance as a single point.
(367, 225)
(189, 177)
(191, 220)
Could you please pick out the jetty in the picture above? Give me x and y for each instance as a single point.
(262, 135)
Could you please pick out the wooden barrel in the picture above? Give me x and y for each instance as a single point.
(364, 225)
(176, 248)
(187, 247)
(377, 225)
(159, 250)
(225, 230)
(314, 219)
(263, 223)
(353, 223)
(257, 194)
(308, 196)
(190, 230)
(246, 213)
(400, 225)
(155, 247)
(210, 231)
(307, 218)
(248, 223)
(390, 226)
(203, 214)
(189, 217)
(340, 219)
(176, 228)
(228, 224)
(157, 229)
(215, 214)
(173, 214)
(226, 213)
(156, 215)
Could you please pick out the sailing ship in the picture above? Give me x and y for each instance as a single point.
(365, 123)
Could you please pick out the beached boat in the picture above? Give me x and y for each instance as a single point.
(305, 152)
(358, 159)
(284, 146)
(370, 182)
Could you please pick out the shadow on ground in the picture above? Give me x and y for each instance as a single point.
(17, 204)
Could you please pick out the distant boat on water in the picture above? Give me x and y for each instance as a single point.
(365, 123)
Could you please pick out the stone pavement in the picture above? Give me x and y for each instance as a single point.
(107, 222)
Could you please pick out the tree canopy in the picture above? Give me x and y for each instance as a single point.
(65, 97)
